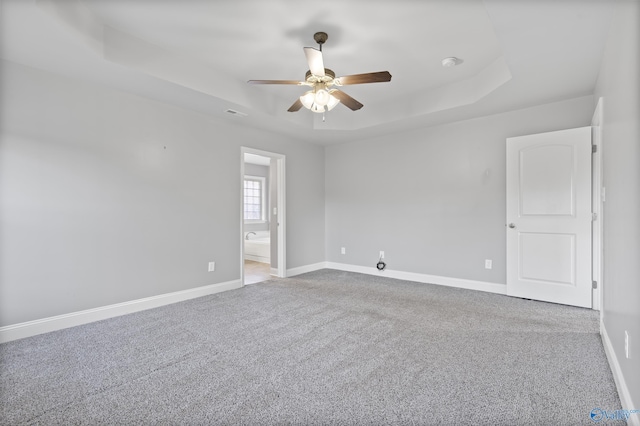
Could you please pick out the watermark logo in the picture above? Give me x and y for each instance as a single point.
(598, 414)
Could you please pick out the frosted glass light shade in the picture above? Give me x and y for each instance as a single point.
(322, 97)
(307, 99)
(317, 108)
(333, 101)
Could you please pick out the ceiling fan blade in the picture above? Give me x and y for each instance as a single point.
(296, 82)
(296, 106)
(314, 58)
(370, 77)
(347, 100)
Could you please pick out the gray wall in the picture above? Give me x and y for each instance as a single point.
(108, 197)
(432, 199)
(619, 87)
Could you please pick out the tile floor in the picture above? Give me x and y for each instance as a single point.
(255, 272)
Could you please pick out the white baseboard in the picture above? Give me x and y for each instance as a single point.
(306, 268)
(422, 278)
(621, 384)
(401, 275)
(45, 325)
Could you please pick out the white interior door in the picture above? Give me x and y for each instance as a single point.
(549, 217)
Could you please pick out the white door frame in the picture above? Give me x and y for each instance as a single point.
(597, 205)
(281, 213)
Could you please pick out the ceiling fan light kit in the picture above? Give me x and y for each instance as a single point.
(323, 97)
(316, 101)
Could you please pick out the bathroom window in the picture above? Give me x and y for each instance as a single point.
(254, 199)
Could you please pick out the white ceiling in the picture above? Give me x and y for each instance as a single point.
(199, 54)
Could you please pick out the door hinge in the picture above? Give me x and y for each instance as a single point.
(594, 148)
(594, 284)
(594, 216)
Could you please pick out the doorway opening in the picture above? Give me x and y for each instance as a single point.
(262, 222)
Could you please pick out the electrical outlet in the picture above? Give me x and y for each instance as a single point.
(212, 266)
(343, 250)
(381, 254)
(626, 344)
(488, 263)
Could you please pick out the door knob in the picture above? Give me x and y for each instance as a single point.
(512, 225)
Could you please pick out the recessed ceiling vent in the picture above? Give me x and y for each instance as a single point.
(234, 112)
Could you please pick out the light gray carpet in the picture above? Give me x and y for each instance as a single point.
(327, 347)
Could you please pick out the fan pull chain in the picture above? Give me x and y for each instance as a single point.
(323, 116)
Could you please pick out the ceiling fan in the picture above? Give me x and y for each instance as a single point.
(323, 95)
